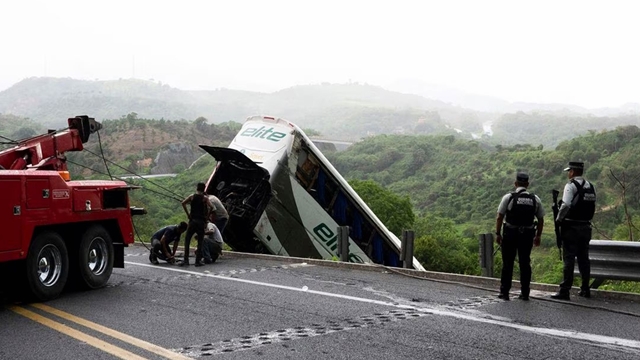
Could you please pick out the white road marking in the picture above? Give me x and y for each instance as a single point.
(595, 339)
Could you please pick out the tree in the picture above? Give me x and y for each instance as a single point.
(440, 247)
(23, 133)
(200, 123)
(395, 211)
(623, 183)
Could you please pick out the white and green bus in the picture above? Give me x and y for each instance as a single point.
(285, 198)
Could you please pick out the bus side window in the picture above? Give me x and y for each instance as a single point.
(307, 173)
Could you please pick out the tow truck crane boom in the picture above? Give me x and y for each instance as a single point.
(46, 152)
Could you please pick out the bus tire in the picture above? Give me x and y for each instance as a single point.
(95, 257)
(47, 266)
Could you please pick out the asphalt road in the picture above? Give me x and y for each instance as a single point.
(247, 308)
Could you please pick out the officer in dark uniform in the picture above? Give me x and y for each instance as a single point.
(574, 217)
(200, 209)
(517, 233)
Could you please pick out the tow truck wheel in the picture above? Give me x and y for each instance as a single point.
(95, 257)
(47, 266)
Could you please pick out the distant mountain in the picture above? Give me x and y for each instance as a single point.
(336, 110)
(51, 101)
(496, 105)
(347, 112)
(449, 95)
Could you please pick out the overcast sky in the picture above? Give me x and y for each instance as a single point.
(578, 52)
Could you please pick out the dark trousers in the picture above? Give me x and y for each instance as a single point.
(211, 250)
(195, 227)
(516, 242)
(156, 249)
(575, 244)
(221, 223)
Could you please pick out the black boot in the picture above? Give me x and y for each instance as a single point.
(523, 296)
(561, 295)
(504, 296)
(185, 262)
(153, 259)
(199, 259)
(585, 293)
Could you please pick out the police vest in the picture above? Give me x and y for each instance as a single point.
(585, 207)
(523, 209)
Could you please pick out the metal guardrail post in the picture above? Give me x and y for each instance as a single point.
(403, 245)
(343, 243)
(486, 254)
(406, 248)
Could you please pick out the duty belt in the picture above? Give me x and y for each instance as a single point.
(576, 222)
(521, 229)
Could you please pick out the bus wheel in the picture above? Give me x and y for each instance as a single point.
(95, 257)
(47, 266)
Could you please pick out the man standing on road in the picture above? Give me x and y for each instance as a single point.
(200, 209)
(517, 233)
(161, 240)
(574, 216)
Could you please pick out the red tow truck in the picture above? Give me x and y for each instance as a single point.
(55, 230)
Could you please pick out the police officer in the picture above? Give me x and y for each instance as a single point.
(574, 217)
(517, 233)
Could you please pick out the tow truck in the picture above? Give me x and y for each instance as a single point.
(55, 230)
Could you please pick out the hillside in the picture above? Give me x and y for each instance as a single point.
(454, 187)
(136, 145)
(339, 111)
(463, 180)
(497, 105)
(16, 128)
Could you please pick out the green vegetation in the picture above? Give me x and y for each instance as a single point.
(437, 180)
(455, 186)
(463, 180)
(394, 211)
(16, 128)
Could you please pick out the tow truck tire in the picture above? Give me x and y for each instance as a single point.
(47, 266)
(95, 257)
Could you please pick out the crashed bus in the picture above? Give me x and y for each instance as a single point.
(285, 198)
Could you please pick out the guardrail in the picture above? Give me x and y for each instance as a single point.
(613, 260)
(486, 254)
(610, 260)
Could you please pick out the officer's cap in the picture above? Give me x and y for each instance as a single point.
(522, 177)
(575, 165)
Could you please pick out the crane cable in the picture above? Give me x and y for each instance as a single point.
(132, 222)
(176, 195)
(117, 178)
(103, 158)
